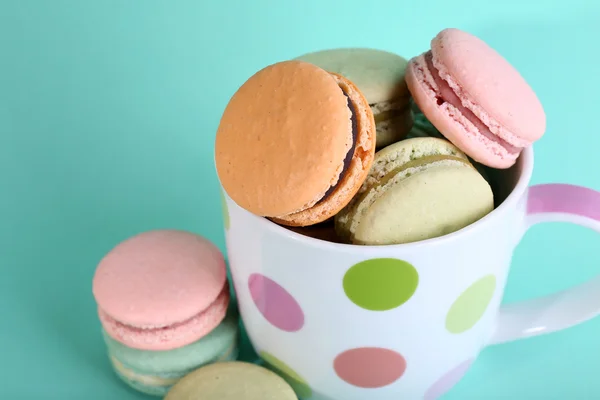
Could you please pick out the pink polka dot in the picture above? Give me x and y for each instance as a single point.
(275, 303)
(369, 367)
(446, 382)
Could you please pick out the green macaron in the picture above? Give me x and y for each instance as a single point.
(379, 75)
(423, 128)
(417, 189)
(155, 372)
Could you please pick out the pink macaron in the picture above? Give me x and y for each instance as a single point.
(161, 290)
(475, 98)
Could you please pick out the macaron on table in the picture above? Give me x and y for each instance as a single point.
(335, 149)
(164, 304)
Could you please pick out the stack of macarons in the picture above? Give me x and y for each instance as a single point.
(362, 146)
(164, 306)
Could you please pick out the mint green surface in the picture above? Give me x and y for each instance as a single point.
(107, 117)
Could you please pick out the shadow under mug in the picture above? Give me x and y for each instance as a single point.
(347, 322)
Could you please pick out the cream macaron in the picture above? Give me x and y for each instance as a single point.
(417, 189)
(380, 75)
(232, 381)
(295, 143)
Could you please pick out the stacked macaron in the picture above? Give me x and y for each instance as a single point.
(164, 306)
(297, 142)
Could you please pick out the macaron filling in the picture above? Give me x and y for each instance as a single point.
(148, 380)
(415, 164)
(350, 153)
(419, 163)
(156, 337)
(444, 93)
(393, 177)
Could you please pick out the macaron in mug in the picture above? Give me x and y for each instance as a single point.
(346, 322)
(386, 321)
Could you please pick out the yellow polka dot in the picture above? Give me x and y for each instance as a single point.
(470, 306)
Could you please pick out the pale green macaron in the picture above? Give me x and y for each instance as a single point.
(423, 128)
(417, 189)
(232, 381)
(155, 372)
(379, 75)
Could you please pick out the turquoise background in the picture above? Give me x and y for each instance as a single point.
(108, 111)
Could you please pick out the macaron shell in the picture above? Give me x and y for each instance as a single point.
(377, 73)
(178, 361)
(159, 278)
(402, 154)
(171, 336)
(489, 85)
(157, 385)
(394, 129)
(453, 125)
(232, 381)
(437, 201)
(356, 172)
(283, 138)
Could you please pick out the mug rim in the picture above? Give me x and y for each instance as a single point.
(526, 159)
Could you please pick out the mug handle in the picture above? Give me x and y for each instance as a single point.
(554, 203)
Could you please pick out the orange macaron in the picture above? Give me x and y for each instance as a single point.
(295, 143)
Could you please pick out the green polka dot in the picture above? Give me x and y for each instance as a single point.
(295, 381)
(471, 305)
(225, 211)
(381, 283)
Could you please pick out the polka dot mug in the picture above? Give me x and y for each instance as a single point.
(343, 322)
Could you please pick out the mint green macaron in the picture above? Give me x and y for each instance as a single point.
(155, 372)
(417, 189)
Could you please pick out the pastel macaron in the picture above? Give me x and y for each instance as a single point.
(380, 75)
(294, 143)
(161, 289)
(476, 98)
(164, 306)
(417, 189)
(155, 372)
(232, 381)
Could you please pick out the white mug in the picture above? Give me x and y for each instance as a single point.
(348, 322)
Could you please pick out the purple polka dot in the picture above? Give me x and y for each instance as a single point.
(447, 382)
(564, 198)
(275, 303)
